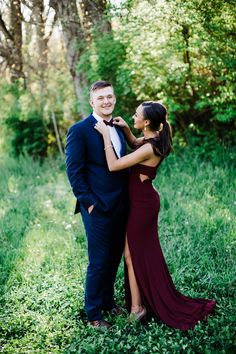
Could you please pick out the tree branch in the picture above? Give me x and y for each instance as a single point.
(27, 5)
(5, 30)
(52, 27)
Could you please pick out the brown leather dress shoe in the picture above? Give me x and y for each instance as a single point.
(99, 324)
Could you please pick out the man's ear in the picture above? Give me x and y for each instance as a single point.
(91, 102)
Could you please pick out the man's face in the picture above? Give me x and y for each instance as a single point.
(103, 101)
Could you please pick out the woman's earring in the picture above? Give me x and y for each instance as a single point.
(145, 128)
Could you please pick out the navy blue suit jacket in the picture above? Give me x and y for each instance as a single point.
(91, 181)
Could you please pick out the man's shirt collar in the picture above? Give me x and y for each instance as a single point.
(97, 117)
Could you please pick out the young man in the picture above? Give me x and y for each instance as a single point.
(102, 199)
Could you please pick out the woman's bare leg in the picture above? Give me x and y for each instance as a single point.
(135, 294)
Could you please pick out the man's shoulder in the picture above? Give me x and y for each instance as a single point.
(80, 125)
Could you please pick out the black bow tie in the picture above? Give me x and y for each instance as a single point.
(109, 123)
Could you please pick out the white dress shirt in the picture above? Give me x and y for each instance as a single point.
(113, 135)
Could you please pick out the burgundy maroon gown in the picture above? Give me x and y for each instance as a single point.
(158, 292)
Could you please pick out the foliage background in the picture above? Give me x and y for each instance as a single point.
(181, 53)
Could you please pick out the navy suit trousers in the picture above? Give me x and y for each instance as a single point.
(106, 239)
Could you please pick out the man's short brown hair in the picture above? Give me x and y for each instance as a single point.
(99, 85)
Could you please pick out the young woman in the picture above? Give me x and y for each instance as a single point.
(151, 289)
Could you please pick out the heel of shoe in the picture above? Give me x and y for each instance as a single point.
(143, 319)
(138, 317)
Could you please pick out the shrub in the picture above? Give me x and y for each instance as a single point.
(26, 129)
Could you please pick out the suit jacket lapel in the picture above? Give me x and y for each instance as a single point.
(122, 139)
(92, 120)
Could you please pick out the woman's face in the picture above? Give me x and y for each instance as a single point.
(138, 117)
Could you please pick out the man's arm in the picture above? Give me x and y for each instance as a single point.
(76, 168)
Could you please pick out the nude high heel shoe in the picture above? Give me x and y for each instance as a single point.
(138, 314)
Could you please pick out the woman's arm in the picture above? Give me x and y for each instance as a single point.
(132, 141)
(140, 155)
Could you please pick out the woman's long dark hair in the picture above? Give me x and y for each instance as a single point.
(157, 115)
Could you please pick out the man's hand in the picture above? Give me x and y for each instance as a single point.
(90, 209)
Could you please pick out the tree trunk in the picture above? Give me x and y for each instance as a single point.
(67, 12)
(11, 49)
(187, 60)
(93, 14)
(57, 134)
(77, 23)
(42, 42)
(16, 48)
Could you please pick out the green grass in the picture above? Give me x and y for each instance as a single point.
(43, 259)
